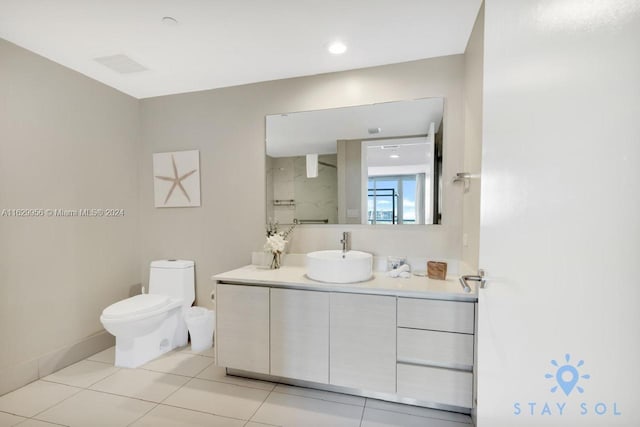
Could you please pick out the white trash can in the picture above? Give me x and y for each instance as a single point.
(200, 323)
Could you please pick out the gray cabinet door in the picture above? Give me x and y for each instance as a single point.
(300, 334)
(363, 342)
(242, 327)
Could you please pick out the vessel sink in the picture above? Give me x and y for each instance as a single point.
(336, 267)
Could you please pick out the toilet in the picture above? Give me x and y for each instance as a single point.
(148, 325)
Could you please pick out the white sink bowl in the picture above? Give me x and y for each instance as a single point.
(332, 267)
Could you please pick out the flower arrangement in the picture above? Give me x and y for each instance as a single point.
(276, 242)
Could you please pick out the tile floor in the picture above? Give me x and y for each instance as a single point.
(184, 388)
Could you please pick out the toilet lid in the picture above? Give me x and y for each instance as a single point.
(135, 305)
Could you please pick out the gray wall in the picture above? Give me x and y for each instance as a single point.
(228, 127)
(66, 142)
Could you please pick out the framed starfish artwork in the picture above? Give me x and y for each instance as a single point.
(176, 179)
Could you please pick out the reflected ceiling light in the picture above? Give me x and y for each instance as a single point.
(337, 48)
(312, 165)
(394, 156)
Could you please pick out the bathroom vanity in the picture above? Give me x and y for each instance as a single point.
(404, 340)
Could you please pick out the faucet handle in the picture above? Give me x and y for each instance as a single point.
(346, 241)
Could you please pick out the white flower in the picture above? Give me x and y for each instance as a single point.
(275, 243)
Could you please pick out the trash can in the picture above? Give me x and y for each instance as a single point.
(200, 323)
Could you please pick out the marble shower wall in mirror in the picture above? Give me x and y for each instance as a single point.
(368, 164)
(293, 196)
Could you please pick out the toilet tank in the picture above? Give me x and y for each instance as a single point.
(174, 278)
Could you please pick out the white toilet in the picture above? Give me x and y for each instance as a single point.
(148, 325)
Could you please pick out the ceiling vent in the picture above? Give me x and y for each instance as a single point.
(120, 64)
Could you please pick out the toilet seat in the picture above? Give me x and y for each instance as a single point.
(138, 306)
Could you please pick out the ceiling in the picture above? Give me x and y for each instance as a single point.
(406, 152)
(297, 134)
(219, 43)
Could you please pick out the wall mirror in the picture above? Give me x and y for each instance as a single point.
(368, 164)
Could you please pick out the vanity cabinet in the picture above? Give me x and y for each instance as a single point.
(417, 350)
(363, 342)
(300, 334)
(242, 327)
(435, 351)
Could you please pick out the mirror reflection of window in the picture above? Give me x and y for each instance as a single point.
(396, 199)
(400, 173)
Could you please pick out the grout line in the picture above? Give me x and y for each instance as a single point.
(201, 412)
(175, 391)
(256, 411)
(237, 385)
(121, 395)
(203, 369)
(266, 424)
(102, 379)
(319, 398)
(80, 390)
(96, 361)
(49, 422)
(143, 415)
(11, 413)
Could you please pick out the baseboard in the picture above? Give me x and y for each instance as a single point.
(14, 377)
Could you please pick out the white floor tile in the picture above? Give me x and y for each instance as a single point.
(82, 374)
(379, 418)
(417, 411)
(105, 356)
(217, 373)
(141, 384)
(296, 411)
(168, 416)
(7, 420)
(179, 363)
(254, 424)
(91, 408)
(218, 398)
(210, 352)
(35, 397)
(37, 423)
(321, 394)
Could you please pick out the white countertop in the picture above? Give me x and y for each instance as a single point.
(381, 284)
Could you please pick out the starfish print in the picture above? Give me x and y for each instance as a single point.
(177, 180)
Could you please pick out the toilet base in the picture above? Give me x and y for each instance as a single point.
(132, 352)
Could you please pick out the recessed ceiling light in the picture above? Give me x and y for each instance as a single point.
(337, 48)
(169, 20)
(394, 156)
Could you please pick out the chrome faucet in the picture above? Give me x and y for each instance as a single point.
(346, 243)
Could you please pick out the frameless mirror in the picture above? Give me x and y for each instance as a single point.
(367, 164)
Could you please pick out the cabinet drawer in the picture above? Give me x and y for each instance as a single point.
(435, 348)
(436, 385)
(450, 316)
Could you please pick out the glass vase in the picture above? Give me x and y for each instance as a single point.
(276, 261)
